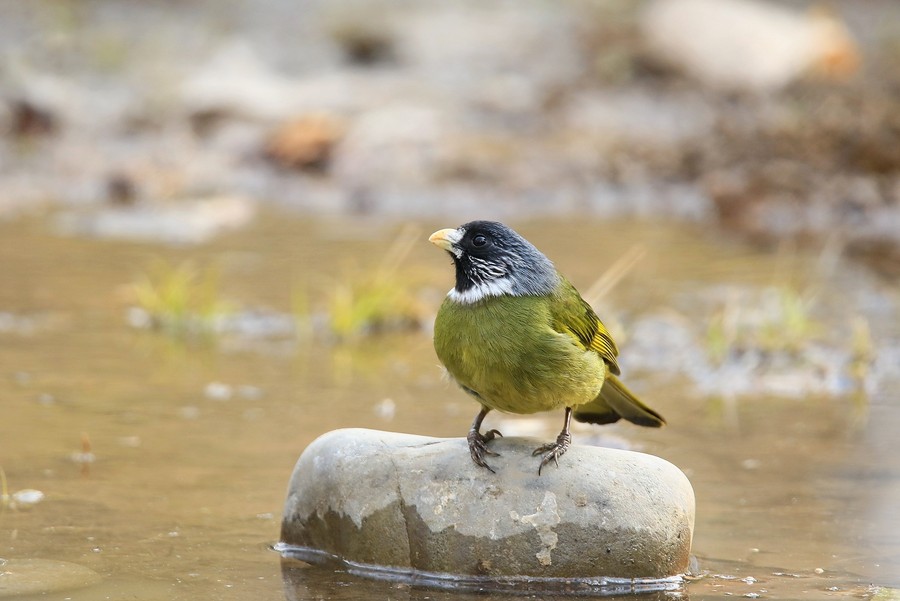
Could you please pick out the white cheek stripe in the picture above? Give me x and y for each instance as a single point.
(476, 293)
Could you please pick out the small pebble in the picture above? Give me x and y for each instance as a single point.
(386, 409)
(27, 497)
(819, 571)
(83, 457)
(138, 318)
(218, 391)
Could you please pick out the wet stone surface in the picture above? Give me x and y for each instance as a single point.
(418, 503)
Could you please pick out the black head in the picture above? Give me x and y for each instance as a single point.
(491, 260)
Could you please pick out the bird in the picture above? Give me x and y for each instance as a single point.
(518, 337)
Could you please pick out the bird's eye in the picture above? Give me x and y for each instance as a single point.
(479, 240)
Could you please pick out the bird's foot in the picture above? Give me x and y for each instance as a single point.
(478, 446)
(553, 451)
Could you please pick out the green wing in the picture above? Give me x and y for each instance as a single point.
(572, 315)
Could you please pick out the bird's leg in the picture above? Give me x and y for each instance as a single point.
(554, 450)
(478, 441)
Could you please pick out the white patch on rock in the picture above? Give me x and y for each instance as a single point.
(446, 500)
(544, 520)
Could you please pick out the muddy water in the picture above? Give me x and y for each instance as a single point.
(180, 495)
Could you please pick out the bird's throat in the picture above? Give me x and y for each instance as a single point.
(476, 292)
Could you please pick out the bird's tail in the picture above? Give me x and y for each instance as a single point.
(616, 401)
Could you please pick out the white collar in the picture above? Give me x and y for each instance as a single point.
(479, 292)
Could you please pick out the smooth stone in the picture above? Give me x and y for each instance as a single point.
(419, 505)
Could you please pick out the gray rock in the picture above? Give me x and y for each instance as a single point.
(419, 505)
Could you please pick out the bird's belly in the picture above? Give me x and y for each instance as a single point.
(510, 364)
(533, 400)
(522, 392)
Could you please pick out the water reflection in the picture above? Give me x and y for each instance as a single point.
(303, 582)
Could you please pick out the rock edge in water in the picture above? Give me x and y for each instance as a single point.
(419, 504)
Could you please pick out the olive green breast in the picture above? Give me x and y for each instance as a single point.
(505, 350)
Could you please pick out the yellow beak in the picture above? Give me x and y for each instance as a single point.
(445, 238)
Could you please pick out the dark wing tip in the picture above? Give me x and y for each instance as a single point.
(649, 422)
(597, 418)
(613, 366)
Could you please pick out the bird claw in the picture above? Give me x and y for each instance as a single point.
(478, 447)
(553, 451)
(491, 435)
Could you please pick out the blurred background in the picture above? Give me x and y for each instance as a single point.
(213, 248)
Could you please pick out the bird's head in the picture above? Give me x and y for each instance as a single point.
(493, 260)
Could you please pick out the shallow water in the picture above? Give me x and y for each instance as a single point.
(169, 490)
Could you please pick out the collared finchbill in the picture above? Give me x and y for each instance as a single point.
(511, 314)
(446, 238)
